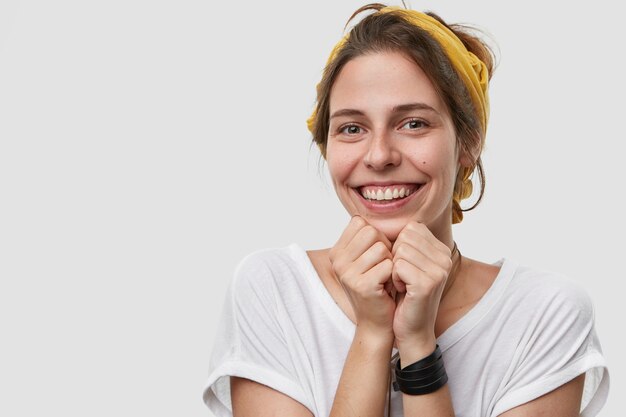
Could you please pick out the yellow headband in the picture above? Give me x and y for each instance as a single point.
(470, 68)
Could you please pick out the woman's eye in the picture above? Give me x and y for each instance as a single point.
(414, 124)
(351, 130)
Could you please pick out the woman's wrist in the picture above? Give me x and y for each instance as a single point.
(374, 339)
(411, 351)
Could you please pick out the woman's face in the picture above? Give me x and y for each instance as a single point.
(391, 148)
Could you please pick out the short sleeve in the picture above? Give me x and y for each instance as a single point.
(559, 344)
(250, 342)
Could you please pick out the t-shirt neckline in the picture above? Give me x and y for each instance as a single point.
(449, 337)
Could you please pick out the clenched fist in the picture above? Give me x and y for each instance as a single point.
(362, 262)
(421, 265)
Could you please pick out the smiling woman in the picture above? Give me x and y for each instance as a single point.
(393, 320)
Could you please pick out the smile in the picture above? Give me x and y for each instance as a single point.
(388, 193)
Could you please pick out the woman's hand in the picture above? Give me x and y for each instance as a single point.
(361, 260)
(421, 264)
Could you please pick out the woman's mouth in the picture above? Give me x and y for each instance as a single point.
(387, 194)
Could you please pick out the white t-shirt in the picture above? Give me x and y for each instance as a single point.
(531, 332)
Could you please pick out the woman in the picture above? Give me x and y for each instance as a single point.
(393, 320)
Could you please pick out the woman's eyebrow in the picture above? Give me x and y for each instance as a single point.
(401, 108)
(347, 112)
(413, 106)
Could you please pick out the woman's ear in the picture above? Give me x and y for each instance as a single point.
(465, 160)
(469, 154)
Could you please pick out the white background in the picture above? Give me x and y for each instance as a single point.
(147, 146)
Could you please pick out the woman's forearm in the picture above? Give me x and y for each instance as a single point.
(362, 389)
(436, 404)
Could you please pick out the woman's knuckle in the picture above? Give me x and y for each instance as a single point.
(416, 226)
(402, 250)
(441, 275)
(338, 267)
(346, 279)
(358, 221)
(370, 233)
(399, 265)
(379, 248)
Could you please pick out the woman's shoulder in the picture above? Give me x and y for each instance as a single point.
(536, 280)
(266, 257)
(270, 266)
(546, 292)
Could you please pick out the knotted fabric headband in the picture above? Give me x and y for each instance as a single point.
(471, 69)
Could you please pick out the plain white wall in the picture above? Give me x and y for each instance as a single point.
(147, 146)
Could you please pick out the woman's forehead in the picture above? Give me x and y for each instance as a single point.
(382, 81)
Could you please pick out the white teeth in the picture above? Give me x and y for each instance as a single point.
(387, 194)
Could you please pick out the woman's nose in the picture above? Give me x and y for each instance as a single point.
(381, 153)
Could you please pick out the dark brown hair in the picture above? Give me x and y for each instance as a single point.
(389, 31)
